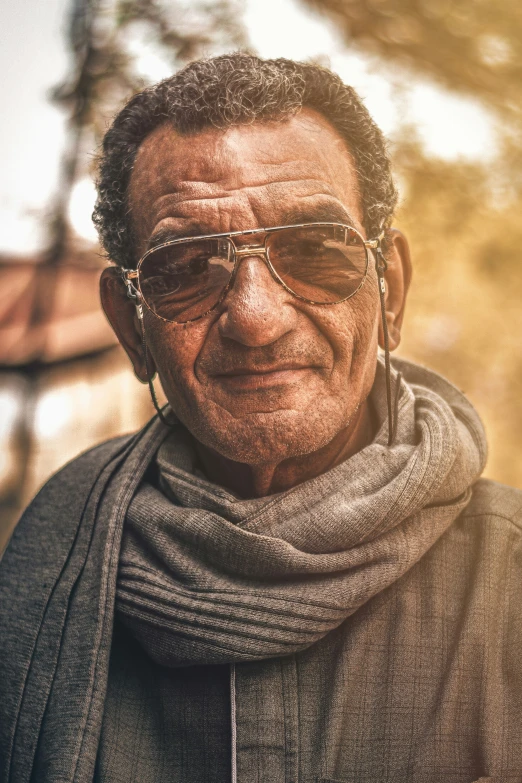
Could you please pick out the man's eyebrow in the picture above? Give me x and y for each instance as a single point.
(331, 213)
(167, 234)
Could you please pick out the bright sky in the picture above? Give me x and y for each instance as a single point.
(33, 59)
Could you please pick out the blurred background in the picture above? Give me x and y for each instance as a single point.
(443, 79)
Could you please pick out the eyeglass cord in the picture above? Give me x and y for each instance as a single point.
(150, 377)
(392, 417)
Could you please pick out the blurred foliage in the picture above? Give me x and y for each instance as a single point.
(474, 46)
(114, 45)
(108, 38)
(464, 317)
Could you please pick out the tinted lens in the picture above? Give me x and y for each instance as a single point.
(325, 264)
(182, 282)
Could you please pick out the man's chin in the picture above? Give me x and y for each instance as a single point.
(270, 394)
(263, 437)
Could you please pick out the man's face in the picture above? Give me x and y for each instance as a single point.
(264, 376)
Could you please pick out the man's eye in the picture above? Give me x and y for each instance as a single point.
(190, 266)
(194, 263)
(305, 248)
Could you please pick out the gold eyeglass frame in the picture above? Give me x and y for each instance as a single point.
(131, 277)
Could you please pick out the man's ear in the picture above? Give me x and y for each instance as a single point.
(121, 313)
(398, 278)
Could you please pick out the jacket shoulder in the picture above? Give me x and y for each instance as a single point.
(492, 499)
(67, 489)
(93, 458)
(78, 472)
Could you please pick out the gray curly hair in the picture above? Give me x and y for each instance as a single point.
(237, 89)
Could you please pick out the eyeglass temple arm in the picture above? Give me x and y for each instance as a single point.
(375, 244)
(127, 276)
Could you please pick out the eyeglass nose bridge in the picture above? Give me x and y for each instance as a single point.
(255, 250)
(250, 250)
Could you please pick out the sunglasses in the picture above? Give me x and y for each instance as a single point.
(185, 279)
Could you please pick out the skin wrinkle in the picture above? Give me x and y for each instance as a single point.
(226, 155)
(269, 437)
(331, 212)
(193, 187)
(274, 190)
(166, 231)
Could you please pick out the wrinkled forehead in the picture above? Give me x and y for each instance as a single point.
(255, 168)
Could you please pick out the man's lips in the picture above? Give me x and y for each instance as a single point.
(263, 377)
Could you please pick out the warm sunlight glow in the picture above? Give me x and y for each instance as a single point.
(449, 126)
(80, 209)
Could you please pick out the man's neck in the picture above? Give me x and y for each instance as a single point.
(249, 481)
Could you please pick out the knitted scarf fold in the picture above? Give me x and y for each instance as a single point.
(206, 577)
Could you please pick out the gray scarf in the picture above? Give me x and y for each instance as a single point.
(205, 577)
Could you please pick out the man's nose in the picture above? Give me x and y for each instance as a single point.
(257, 309)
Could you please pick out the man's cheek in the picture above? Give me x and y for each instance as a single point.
(349, 335)
(364, 322)
(176, 349)
(175, 366)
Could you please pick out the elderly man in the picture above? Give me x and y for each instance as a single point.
(293, 573)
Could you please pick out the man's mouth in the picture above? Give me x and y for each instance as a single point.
(249, 378)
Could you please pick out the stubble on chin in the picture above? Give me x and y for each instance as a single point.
(271, 435)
